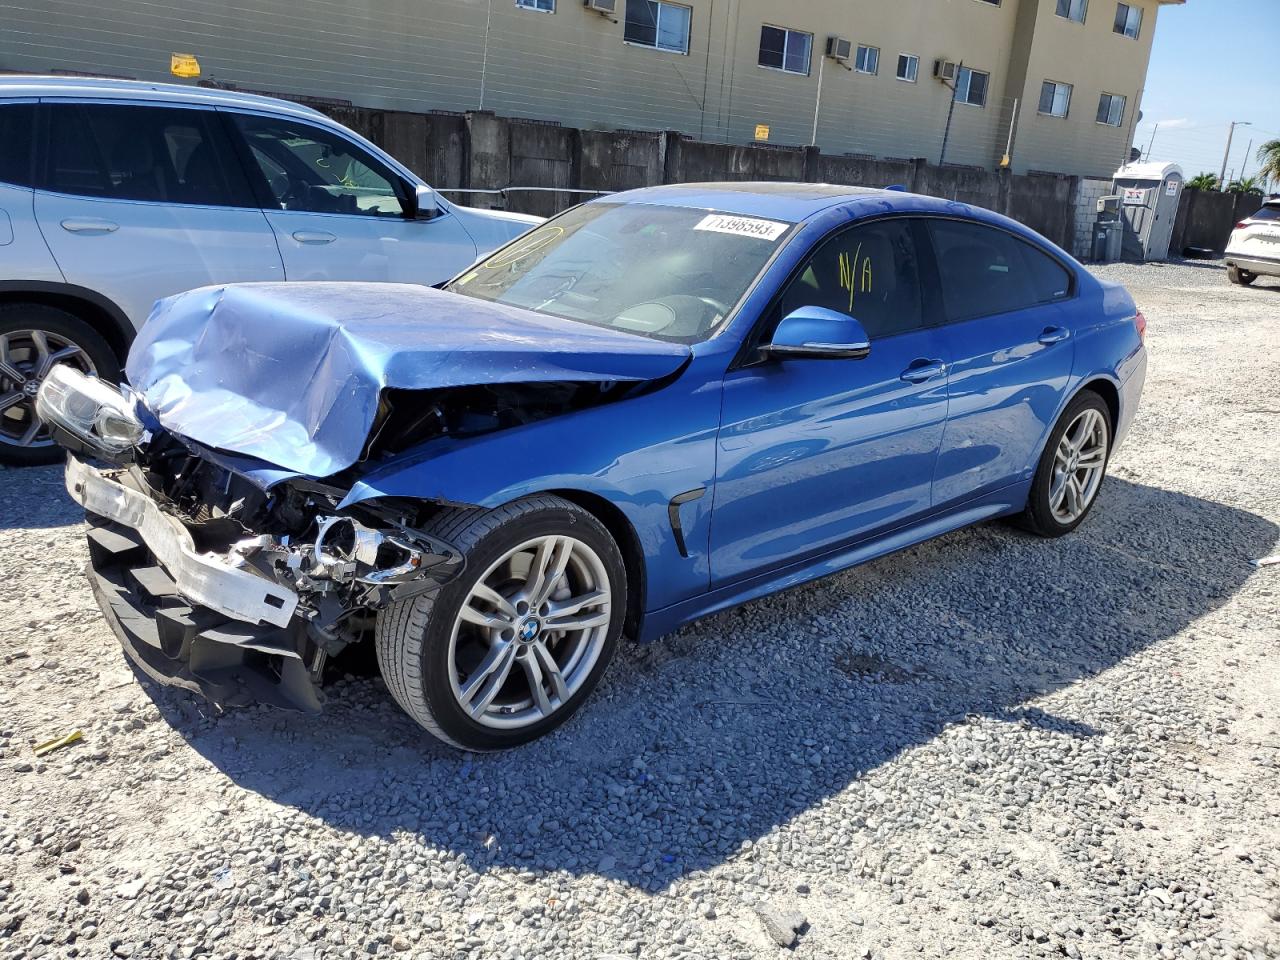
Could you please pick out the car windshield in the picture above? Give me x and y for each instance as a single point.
(672, 273)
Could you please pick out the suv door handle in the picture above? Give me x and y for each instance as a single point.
(1054, 335)
(317, 236)
(90, 225)
(923, 370)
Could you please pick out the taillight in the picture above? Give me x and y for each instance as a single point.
(1242, 224)
(1140, 322)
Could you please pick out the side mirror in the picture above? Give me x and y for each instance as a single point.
(817, 333)
(425, 205)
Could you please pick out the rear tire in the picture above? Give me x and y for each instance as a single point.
(1072, 467)
(502, 655)
(1240, 277)
(33, 337)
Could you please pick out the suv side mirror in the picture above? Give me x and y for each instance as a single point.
(425, 205)
(817, 333)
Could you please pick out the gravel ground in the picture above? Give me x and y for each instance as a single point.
(988, 746)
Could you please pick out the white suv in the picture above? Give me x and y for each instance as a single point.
(114, 194)
(1254, 247)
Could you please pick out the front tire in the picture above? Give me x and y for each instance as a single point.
(511, 648)
(34, 337)
(1240, 277)
(1071, 469)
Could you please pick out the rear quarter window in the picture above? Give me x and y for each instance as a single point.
(17, 125)
(1267, 213)
(986, 271)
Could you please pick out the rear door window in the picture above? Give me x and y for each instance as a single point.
(132, 152)
(17, 126)
(985, 271)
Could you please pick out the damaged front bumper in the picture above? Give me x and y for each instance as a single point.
(255, 623)
(209, 581)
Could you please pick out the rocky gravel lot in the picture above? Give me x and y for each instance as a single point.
(989, 746)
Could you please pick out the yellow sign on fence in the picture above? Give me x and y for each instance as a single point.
(762, 131)
(184, 65)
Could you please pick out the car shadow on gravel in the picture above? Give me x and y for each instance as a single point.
(704, 742)
(44, 500)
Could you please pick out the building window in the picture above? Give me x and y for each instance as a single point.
(1073, 9)
(657, 24)
(1055, 98)
(971, 86)
(908, 67)
(1128, 20)
(994, 3)
(783, 49)
(542, 6)
(867, 60)
(1111, 109)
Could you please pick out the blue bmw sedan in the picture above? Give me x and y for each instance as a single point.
(652, 407)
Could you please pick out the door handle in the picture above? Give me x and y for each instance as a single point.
(316, 236)
(923, 370)
(1051, 335)
(89, 225)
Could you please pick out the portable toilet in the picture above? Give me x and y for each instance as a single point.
(1149, 195)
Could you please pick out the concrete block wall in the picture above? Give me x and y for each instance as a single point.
(1086, 213)
(483, 151)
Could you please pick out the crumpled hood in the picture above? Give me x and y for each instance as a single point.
(290, 373)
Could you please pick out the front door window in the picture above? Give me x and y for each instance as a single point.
(313, 170)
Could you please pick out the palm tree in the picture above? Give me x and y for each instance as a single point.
(1246, 185)
(1269, 157)
(1203, 181)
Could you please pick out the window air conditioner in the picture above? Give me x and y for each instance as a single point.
(944, 69)
(839, 48)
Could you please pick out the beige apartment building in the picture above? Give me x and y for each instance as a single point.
(1056, 85)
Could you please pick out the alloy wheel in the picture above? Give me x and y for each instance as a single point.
(529, 632)
(1078, 466)
(26, 357)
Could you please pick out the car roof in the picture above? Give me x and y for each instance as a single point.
(22, 85)
(801, 202)
(792, 202)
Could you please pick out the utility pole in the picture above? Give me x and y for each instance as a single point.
(1152, 141)
(1222, 177)
(1247, 151)
(946, 134)
(817, 104)
(484, 63)
(1007, 159)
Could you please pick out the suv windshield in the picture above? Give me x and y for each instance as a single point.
(672, 273)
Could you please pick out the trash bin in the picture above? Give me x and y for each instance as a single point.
(1107, 238)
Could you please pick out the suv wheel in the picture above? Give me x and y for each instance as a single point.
(1240, 277)
(33, 338)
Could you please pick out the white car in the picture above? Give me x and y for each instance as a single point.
(1254, 247)
(114, 194)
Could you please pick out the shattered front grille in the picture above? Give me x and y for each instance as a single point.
(229, 661)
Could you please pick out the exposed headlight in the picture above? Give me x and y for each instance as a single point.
(88, 410)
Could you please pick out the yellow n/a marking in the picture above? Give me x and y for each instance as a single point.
(848, 277)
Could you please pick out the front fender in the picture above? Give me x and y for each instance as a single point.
(639, 454)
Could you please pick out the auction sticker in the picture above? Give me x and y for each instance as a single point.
(742, 226)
